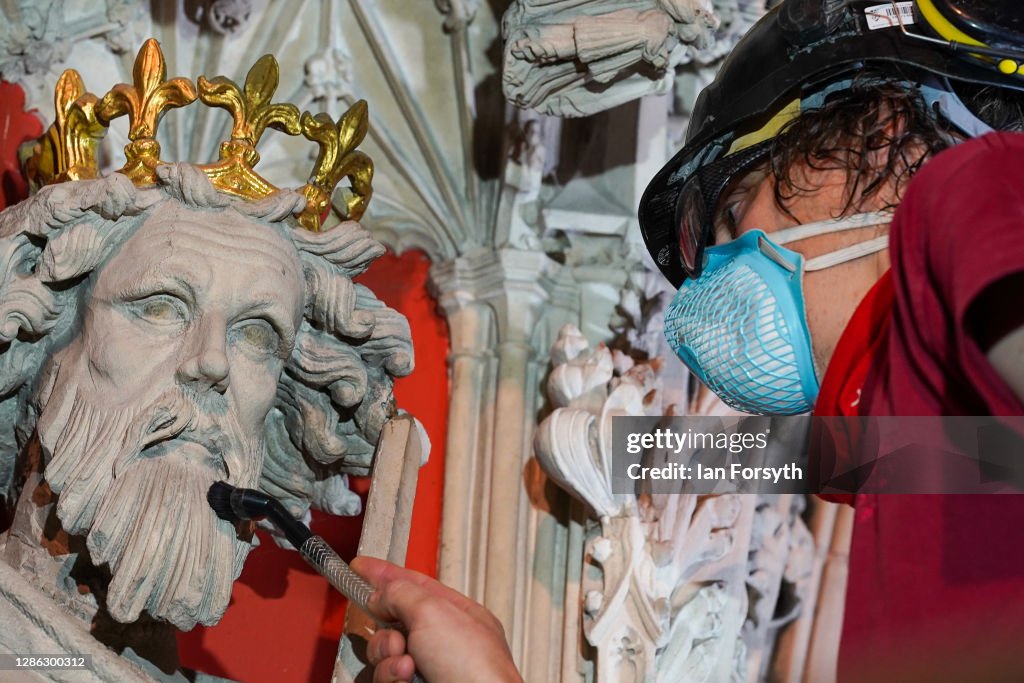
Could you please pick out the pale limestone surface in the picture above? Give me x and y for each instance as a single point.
(571, 58)
(386, 527)
(155, 341)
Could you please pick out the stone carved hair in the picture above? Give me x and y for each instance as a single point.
(335, 391)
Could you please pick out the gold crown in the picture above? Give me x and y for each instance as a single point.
(67, 151)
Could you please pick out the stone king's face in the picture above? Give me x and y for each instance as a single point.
(203, 300)
(165, 390)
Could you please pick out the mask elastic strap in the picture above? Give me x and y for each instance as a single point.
(847, 254)
(802, 232)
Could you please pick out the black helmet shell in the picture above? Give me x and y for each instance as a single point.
(800, 46)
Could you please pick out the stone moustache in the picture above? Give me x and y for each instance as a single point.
(171, 325)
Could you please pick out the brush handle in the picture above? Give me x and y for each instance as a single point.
(337, 572)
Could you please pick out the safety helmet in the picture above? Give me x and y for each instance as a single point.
(789, 60)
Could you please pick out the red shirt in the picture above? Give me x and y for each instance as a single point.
(936, 582)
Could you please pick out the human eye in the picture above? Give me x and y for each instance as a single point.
(734, 204)
(727, 218)
(161, 309)
(730, 214)
(259, 335)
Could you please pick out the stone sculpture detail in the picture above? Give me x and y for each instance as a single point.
(666, 577)
(171, 325)
(572, 59)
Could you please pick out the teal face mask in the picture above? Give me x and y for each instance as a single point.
(741, 327)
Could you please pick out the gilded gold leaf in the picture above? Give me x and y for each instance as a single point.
(283, 117)
(261, 82)
(178, 91)
(353, 126)
(222, 92)
(68, 150)
(150, 69)
(69, 88)
(338, 159)
(120, 101)
(250, 108)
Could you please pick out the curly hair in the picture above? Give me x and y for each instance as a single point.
(873, 117)
(879, 115)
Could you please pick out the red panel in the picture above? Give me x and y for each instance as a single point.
(16, 126)
(284, 621)
(401, 282)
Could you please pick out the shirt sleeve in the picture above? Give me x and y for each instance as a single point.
(959, 239)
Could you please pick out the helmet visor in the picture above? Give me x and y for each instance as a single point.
(699, 197)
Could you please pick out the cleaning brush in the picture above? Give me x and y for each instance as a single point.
(232, 504)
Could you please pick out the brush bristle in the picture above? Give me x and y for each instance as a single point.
(219, 498)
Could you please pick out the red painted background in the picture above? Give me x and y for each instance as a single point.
(16, 126)
(284, 620)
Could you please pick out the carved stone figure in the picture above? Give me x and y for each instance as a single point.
(523, 179)
(572, 58)
(166, 327)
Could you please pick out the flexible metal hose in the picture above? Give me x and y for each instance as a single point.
(337, 572)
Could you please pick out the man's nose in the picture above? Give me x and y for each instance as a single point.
(206, 360)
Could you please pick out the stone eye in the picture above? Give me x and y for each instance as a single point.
(260, 335)
(159, 309)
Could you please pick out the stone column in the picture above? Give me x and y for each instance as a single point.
(500, 543)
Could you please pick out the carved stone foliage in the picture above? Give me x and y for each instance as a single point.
(675, 586)
(639, 318)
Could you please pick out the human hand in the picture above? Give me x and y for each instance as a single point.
(450, 637)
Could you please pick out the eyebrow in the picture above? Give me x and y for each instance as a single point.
(151, 281)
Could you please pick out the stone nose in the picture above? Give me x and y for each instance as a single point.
(205, 365)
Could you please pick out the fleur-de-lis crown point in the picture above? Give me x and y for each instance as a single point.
(67, 150)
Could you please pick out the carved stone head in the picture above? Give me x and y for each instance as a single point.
(159, 339)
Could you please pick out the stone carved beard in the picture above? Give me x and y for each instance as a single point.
(144, 510)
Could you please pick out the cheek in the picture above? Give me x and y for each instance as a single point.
(121, 358)
(253, 388)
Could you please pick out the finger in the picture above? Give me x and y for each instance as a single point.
(394, 669)
(383, 644)
(402, 601)
(381, 573)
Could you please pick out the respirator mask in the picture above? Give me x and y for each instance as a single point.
(740, 325)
